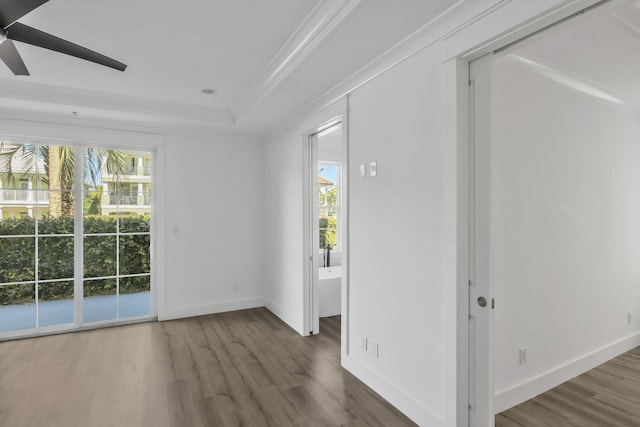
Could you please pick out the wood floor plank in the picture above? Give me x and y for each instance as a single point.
(243, 368)
(607, 396)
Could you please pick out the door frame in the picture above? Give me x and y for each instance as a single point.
(46, 134)
(311, 307)
(481, 389)
(311, 300)
(457, 183)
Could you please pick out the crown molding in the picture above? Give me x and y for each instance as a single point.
(457, 30)
(318, 24)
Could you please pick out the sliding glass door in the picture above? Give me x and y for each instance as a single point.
(75, 236)
(117, 237)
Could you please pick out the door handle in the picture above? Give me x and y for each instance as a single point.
(482, 301)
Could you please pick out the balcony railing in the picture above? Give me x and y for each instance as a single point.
(128, 198)
(24, 196)
(130, 169)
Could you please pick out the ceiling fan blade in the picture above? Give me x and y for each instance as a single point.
(26, 34)
(10, 56)
(12, 10)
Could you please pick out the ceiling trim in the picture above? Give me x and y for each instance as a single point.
(460, 16)
(318, 24)
(425, 36)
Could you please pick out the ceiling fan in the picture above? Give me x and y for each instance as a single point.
(10, 29)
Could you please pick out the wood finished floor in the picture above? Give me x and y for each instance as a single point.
(608, 395)
(243, 368)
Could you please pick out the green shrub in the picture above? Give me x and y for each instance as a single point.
(327, 232)
(56, 257)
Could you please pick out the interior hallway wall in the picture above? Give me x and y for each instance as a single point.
(396, 236)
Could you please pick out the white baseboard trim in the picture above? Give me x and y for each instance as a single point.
(293, 321)
(510, 397)
(204, 309)
(404, 403)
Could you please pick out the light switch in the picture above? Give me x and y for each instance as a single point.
(373, 168)
(363, 171)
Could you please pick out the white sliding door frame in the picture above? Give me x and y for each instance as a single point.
(153, 144)
(461, 49)
(311, 303)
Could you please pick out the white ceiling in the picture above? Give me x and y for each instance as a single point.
(597, 53)
(265, 59)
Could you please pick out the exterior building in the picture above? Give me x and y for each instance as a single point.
(22, 195)
(130, 190)
(26, 192)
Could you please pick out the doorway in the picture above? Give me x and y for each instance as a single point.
(558, 194)
(325, 223)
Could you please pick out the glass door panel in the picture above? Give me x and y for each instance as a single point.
(55, 303)
(100, 300)
(17, 307)
(116, 235)
(135, 296)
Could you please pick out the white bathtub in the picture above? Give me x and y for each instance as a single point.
(330, 284)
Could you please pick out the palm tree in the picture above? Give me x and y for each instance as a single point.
(59, 168)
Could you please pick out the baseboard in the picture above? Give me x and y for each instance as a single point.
(293, 321)
(508, 398)
(404, 403)
(204, 309)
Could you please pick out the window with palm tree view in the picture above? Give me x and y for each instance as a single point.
(74, 236)
(328, 204)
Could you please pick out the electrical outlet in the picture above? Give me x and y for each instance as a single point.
(364, 343)
(629, 317)
(523, 355)
(375, 349)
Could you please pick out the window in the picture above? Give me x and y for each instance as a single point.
(72, 220)
(329, 204)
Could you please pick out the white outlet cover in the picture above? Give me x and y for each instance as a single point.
(523, 355)
(363, 171)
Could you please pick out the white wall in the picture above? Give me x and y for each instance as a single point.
(565, 236)
(396, 220)
(214, 224)
(283, 215)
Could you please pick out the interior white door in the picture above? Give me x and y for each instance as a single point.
(481, 303)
